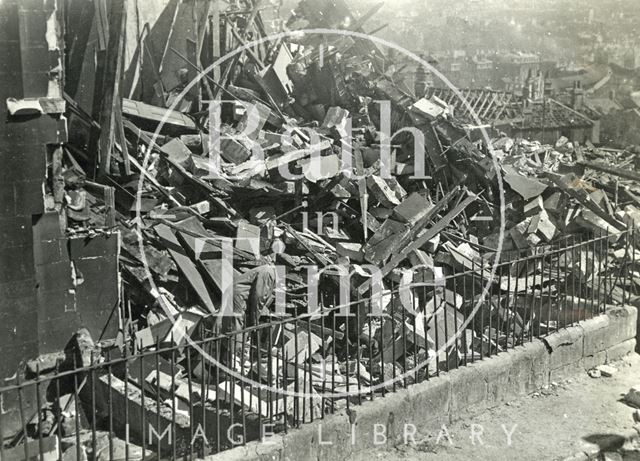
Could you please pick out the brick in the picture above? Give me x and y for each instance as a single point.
(605, 331)
(468, 389)
(529, 368)
(566, 347)
(620, 350)
(414, 207)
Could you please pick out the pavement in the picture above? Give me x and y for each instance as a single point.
(577, 419)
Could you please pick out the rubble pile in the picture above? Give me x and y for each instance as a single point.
(303, 184)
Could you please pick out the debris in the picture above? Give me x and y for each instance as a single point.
(594, 373)
(633, 396)
(264, 209)
(607, 370)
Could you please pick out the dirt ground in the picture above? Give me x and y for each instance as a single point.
(575, 417)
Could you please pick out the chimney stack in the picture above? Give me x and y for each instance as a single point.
(539, 86)
(527, 87)
(548, 86)
(577, 96)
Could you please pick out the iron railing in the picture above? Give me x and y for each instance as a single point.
(189, 397)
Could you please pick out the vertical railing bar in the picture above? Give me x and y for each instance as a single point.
(285, 376)
(39, 413)
(190, 392)
(22, 417)
(157, 394)
(592, 273)
(126, 401)
(404, 342)
(109, 401)
(296, 376)
(93, 406)
(393, 343)
(576, 303)
(2, 431)
(455, 321)
(473, 307)
(490, 312)
(173, 395)
(482, 308)
(370, 333)
(243, 411)
(446, 329)
(358, 348)
(540, 257)
(216, 345)
(436, 313)
(550, 301)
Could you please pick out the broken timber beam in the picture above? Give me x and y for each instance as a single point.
(583, 198)
(111, 84)
(621, 172)
(421, 239)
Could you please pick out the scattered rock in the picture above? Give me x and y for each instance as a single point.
(607, 370)
(633, 396)
(612, 456)
(68, 424)
(71, 454)
(44, 363)
(83, 348)
(47, 421)
(119, 448)
(594, 373)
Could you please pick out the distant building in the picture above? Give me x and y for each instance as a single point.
(512, 69)
(465, 71)
(535, 115)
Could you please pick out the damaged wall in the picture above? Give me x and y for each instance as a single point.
(28, 58)
(77, 281)
(40, 267)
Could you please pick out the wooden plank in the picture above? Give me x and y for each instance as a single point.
(241, 396)
(121, 138)
(423, 237)
(583, 198)
(186, 266)
(149, 117)
(621, 172)
(214, 27)
(111, 83)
